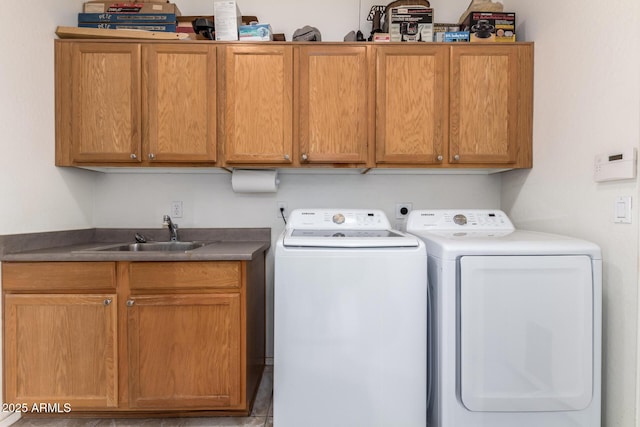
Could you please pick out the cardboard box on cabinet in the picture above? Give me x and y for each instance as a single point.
(158, 27)
(227, 20)
(255, 32)
(440, 28)
(411, 23)
(130, 7)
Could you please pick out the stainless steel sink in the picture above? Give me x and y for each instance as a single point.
(153, 247)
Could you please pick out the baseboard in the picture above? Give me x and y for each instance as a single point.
(8, 418)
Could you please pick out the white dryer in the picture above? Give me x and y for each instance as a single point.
(515, 322)
(350, 332)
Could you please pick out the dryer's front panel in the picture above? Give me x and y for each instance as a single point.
(525, 333)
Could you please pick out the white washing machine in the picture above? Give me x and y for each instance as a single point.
(350, 315)
(516, 318)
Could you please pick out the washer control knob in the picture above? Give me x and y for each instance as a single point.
(338, 218)
(460, 219)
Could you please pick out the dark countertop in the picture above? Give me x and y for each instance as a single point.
(226, 244)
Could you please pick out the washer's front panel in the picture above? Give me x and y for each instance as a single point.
(525, 333)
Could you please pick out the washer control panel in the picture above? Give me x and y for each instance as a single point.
(329, 219)
(462, 219)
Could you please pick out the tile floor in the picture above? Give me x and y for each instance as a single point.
(261, 416)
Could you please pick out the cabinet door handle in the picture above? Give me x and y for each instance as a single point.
(456, 157)
(440, 158)
(304, 157)
(152, 156)
(130, 303)
(286, 157)
(107, 301)
(133, 156)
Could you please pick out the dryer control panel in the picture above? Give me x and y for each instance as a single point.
(459, 219)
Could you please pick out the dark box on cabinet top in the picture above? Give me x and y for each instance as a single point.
(490, 26)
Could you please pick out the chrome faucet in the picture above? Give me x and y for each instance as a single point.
(173, 228)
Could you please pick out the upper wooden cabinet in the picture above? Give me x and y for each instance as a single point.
(131, 103)
(98, 102)
(491, 99)
(258, 104)
(433, 105)
(179, 94)
(299, 106)
(334, 115)
(412, 104)
(454, 105)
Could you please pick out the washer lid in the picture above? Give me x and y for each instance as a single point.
(343, 228)
(340, 238)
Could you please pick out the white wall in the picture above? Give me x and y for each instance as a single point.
(35, 195)
(587, 101)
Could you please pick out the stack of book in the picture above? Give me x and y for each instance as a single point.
(138, 15)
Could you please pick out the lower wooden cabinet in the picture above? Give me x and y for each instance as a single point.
(149, 336)
(61, 348)
(184, 351)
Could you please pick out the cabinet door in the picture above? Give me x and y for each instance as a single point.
(179, 95)
(258, 105)
(184, 351)
(411, 104)
(105, 102)
(61, 349)
(491, 105)
(334, 111)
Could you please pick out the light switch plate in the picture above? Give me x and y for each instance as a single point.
(622, 210)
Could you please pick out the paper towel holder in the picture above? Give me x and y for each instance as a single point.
(254, 180)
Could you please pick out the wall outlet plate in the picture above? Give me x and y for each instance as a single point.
(176, 209)
(279, 213)
(403, 209)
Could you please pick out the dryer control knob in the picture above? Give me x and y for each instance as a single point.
(460, 219)
(338, 218)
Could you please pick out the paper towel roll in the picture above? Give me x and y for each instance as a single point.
(254, 181)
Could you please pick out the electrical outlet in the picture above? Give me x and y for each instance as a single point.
(403, 209)
(279, 213)
(176, 209)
